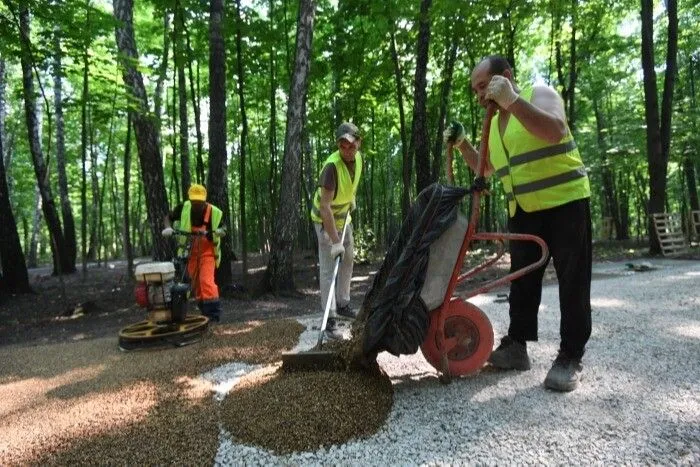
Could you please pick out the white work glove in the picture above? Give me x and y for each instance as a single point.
(220, 232)
(167, 232)
(454, 134)
(353, 205)
(337, 249)
(501, 92)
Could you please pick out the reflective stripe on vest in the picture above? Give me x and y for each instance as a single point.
(536, 175)
(185, 224)
(346, 190)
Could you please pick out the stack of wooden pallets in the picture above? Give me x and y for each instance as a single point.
(669, 229)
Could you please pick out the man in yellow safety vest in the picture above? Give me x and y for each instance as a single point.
(197, 215)
(532, 151)
(334, 199)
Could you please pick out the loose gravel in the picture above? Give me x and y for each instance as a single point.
(638, 403)
(88, 403)
(301, 411)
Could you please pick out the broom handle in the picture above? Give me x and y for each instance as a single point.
(331, 291)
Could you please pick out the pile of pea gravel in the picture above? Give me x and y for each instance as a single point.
(301, 411)
(88, 403)
(638, 404)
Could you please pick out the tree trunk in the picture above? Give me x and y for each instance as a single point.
(195, 103)
(146, 134)
(32, 249)
(623, 183)
(118, 240)
(66, 208)
(182, 98)
(5, 153)
(406, 162)
(162, 71)
(244, 140)
(451, 57)
(690, 177)
(14, 269)
(420, 141)
(93, 249)
(510, 31)
(688, 164)
(280, 267)
(272, 134)
(106, 177)
(607, 176)
(573, 74)
(218, 166)
(172, 189)
(83, 158)
(62, 262)
(658, 128)
(127, 182)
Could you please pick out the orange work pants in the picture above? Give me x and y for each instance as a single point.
(201, 267)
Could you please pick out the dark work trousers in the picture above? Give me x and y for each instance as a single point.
(567, 231)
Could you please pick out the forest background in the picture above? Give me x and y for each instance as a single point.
(109, 110)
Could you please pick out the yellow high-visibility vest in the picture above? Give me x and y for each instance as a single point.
(185, 224)
(346, 189)
(536, 175)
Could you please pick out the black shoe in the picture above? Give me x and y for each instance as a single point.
(346, 312)
(211, 310)
(510, 355)
(565, 373)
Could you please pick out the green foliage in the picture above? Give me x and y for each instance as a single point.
(365, 246)
(352, 77)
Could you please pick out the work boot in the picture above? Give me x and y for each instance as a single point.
(564, 374)
(347, 312)
(212, 310)
(510, 355)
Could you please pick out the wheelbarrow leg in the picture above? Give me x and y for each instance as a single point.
(445, 377)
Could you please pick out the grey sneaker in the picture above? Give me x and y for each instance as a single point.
(346, 312)
(564, 374)
(334, 330)
(510, 355)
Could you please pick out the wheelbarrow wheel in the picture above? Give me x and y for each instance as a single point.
(468, 339)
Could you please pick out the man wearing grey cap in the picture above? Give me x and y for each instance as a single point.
(333, 201)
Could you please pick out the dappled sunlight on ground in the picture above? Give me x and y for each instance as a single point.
(30, 392)
(244, 329)
(50, 423)
(604, 302)
(691, 330)
(359, 278)
(193, 388)
(62, 403)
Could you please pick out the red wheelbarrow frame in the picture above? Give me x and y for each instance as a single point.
(440, 314)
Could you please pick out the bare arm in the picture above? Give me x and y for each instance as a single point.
(327, 215)
(471, 157)
(544, 117)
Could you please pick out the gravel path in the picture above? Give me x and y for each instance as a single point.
(639, 402)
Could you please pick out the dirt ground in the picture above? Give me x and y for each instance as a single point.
(77, 307)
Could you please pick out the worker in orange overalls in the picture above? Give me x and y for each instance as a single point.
(196, 215)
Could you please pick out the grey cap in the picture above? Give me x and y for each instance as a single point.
(347, 131)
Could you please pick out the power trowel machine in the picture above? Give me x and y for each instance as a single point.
(162, 288)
